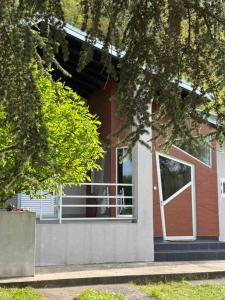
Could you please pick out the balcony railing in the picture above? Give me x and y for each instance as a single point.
(93, 201)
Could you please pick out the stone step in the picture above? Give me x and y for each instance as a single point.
(189, 255)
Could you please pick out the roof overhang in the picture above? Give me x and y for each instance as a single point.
(94, 75)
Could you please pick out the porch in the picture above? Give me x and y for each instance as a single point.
(99, 222)
(98, 200)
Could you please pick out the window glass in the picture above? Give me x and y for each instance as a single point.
(124, 175)
(174, 176)
(101, 176)
(200, 150)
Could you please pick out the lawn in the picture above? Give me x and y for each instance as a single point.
(184, 291)
(20, 294)
(99, 295)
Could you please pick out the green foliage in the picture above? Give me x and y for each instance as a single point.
(100, 295)
(20, 294)
(73, 143)
(20, 101)
(72, 12)
(161, 42)
(184, 291)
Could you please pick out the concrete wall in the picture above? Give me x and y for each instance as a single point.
(17, 246)
(221, 174)
(100, 242)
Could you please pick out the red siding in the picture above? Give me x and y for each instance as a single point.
(206, 197)
(102, 104)
(206, 178)
(179, 222)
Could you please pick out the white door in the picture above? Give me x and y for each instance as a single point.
(176, 182)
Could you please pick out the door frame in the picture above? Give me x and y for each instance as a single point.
(163, 203)
(117, 195)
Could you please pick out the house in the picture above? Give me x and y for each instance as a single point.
(152, 206)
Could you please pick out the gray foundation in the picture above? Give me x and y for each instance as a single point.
(17, 246)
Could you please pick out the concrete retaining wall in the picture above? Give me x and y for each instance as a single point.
(86, 243)
(17, 243)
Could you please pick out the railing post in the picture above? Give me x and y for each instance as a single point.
(123, 201)
(40, 208)
(107, 193)
(60, 206)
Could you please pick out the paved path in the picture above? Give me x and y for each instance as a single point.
(128, 290)
(78, 275)
(68, 293)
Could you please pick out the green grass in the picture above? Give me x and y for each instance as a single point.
(184, 291)
(20, 294)
(99, 295)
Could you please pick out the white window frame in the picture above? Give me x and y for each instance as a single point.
(222, 188)
(163, 203)
(120, 215)
(190, 155)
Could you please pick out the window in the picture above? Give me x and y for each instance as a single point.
(124, 176)
(201, 150)
(222, 182)
(174, 176)
(100, 176)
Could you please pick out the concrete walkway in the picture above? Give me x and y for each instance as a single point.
(77, 275)
(128, 290)
(69, 293)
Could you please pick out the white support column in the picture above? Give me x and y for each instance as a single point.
(41, 208)
(60, 208)
(221, 200)
(143, 188)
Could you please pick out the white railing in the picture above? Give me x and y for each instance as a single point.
(95, 201)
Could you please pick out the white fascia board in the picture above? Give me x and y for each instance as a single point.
(188, 86)
(81, 35)
(213, 119)
(185, 85)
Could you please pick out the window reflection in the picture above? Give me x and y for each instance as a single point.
(200, 150)
(124, 175)
(174, 176)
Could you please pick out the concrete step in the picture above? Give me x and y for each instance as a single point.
(195, 245)
(189, 255)
(75, 275)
